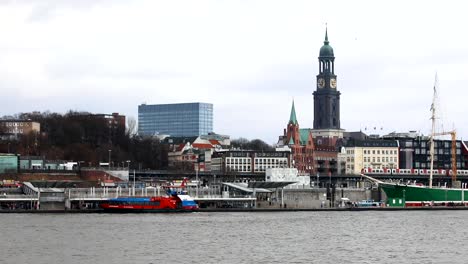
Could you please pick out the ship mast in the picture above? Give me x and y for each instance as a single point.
(452, 133)
(432, 132)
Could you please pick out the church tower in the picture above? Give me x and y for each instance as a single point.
(326, 95)
(292, 133)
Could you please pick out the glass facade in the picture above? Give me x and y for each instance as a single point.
(188, 119)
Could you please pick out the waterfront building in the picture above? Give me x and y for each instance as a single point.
(327, 99)
(116, 124)
(115, 121)
(287, 175)
(249, 161)
(185, 152)
(9, 163)
(326, 160)
(376, 154)
(301, 144)
(310, 155)
(11, 129)
(415, 151)
(178, 120)
(32, 162)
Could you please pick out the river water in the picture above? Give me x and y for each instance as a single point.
(267, 237)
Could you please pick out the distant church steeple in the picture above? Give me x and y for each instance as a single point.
(326, 95)
(292, 118)
(292, 133)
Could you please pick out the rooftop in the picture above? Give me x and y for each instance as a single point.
(372, 143)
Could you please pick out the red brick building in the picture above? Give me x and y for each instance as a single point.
(301, 143)
(310, 155)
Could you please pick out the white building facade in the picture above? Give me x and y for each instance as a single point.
(373, 154)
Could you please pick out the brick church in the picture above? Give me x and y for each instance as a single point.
(315, 150)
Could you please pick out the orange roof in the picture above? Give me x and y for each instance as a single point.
(214, 142)
(202, 146)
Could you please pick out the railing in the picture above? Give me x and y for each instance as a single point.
(28, 188)
(16, 196)
(52, 198)
(100, 193)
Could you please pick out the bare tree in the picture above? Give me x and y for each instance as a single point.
(131, 126)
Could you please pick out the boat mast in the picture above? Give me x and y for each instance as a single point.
(432, 132)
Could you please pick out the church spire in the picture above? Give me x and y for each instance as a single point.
(326, 36)
(292, 118)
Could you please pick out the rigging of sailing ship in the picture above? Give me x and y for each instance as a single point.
(453, 133)
(417, 195)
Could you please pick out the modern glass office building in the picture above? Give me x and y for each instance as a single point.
(187, 119)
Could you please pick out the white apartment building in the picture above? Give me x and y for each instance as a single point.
(250, 161)
(372, 153)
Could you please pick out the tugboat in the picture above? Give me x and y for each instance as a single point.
(174, 201)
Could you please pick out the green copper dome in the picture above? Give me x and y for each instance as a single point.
(326, 50)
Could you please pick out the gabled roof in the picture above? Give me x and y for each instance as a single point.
(304, 132)
(202, 146)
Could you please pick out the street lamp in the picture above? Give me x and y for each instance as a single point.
(128, 165)
(110, 151)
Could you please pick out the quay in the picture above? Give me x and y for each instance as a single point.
(228, 197)
(86, 192)
(58, 196)
(246, 210)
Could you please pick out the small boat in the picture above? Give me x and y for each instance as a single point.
(174, 201)
(368, 203)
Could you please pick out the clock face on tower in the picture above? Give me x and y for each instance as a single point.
(333, 83)
(321, 83)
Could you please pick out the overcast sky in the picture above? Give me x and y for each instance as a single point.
(249, 58)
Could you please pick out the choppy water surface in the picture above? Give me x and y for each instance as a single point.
(281, 237)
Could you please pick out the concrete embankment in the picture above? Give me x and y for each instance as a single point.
(249, 210)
